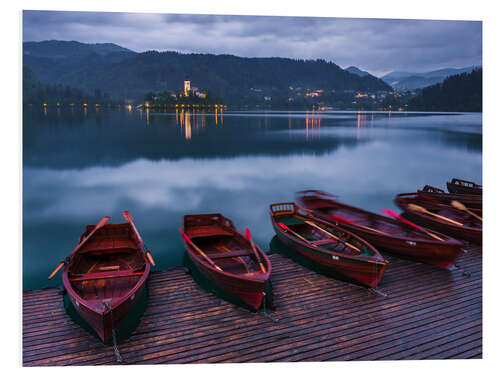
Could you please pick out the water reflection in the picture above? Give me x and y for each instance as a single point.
(80, 166)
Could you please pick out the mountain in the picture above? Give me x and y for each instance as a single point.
(359, 72)
(127, 74)
(406, 81)
(461, 92)
(60, 49)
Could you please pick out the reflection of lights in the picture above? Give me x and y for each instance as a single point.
(129, 107)
(314, 121)
(147, 116)
(187, 130)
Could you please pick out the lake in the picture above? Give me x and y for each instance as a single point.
(79, 166)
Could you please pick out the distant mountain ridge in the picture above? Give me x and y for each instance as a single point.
(67, 49)
(128, 74)
(357, 71)
(403, 81)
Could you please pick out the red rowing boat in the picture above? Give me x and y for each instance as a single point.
(385, 233)
(227, 258)
(442, 218)
(459, 186)
(470, 200)
(327, 245)
(106, 273)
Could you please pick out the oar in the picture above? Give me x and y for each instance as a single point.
(344, 220)
(417, 208)
(332, 235)
(210, 261)
(249, 237)
(129, 218)
(57, 269)
(395, 215)
(285, 227)
(99, 225)
(461, 206)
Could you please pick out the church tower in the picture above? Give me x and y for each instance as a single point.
(187, 86)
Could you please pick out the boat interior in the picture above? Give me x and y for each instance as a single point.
(468, 220)
(216, 237)
(378, 222)
(320, 237)
(108, 266)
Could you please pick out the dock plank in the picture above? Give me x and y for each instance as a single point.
(428, 313)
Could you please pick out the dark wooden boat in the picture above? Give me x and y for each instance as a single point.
(467, 227)
(327, 245)
(227, 258)
(105, 275)
(385, 233)
(458, 186)
(473, 201)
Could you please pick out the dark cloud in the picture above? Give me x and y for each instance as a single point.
(376, 45)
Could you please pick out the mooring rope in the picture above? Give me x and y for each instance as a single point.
(113, 334)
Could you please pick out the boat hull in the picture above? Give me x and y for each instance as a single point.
(366, 273)
(236, 269)
(102, 321)
(470, 201)
(106, 274)
(250, 291)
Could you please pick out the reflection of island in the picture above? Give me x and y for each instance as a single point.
(117, 137)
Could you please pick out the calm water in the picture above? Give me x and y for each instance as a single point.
(80, 166)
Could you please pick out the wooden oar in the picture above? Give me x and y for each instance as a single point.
(99, 225)
(395, 215)
(344, 220)
(417, 208)
(210, 261)
(249, 237)
(129, 218)
(57, 269)
(461, 206)
(332, 235)
(285, 227)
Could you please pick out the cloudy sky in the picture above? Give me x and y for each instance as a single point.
(376, 45)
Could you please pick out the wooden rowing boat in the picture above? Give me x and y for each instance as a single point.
(105, 275)
(227, 258)
(385, 233)
(442, 218)
(327, 245)
(458, 186)
(472, 201)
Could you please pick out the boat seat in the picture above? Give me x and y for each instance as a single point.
(108, 244)
(230, 254)
(207, 231)
(104, 275)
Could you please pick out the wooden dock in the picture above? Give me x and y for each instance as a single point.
(428, 313)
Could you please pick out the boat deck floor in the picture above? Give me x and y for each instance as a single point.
(427, 313)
